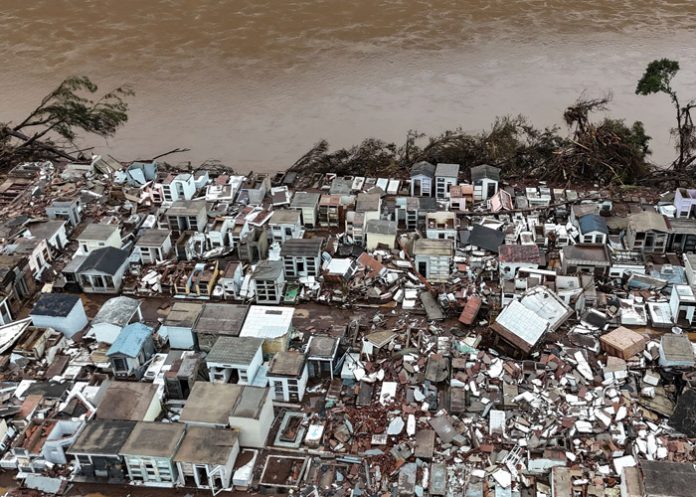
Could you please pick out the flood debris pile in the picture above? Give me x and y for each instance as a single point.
(450, 334)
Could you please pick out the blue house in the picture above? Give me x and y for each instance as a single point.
(131, 351)
(593, 229)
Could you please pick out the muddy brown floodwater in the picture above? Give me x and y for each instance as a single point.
(255, 83)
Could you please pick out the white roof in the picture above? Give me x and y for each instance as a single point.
(267, 321)
(522, 322)
(339, 266)
(545, 304)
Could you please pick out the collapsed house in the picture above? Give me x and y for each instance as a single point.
(418, 335)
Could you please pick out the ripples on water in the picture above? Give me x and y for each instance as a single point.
(255, 83)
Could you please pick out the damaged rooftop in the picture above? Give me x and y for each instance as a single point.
(345, 336)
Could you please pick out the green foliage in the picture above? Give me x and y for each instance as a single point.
(68, 110)
(658, 77)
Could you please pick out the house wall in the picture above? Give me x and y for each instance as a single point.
(437, 267)
(87, 286)
(442, 186)
(69, 213)
(164, 475)
(59, 239)
(62, 436)
(458, 204)
(280, 387)
(684, 205)
(231, 287)
(425, 183)
(224, 472)
(690, 272)
(642, 241)
(39, 259)
(153, 255)
(375, 239)
(246, 372)
(676, 307)
(196, 222)
(309, 216)
(508, 270)
(441, 234)
(132, 363)
(269, 291)
(274, 345)
(297, 267)
(253, 432)
(183, 189)
(5, 311)
(153, 410)
(594, 237)
(481, 188)
(75, 321)
(179, 337)
(147, 255)
(87, 246)
(285, 231)
(99, 466)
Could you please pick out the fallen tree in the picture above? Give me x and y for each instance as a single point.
(49, 131)
(608, 151)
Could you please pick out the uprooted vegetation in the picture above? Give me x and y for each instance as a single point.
(606, 151)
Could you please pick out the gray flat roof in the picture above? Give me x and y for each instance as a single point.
(183, 314)
(305, 199)
(45, 229)
(126, 400)
(285, 216)
(203, 445)
(381, 227)
(447, 170)
(154, 439)
(251, 401)
(287, 363)
(302, 247)
(153, 237)
(98, 231)
(221, 319)
(268, 270)
(424, 246)
(368, 202)
(186, 208)
(102, 436)
(210, 403)
(322, 346)
(234, 350)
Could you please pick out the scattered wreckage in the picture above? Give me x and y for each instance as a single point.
(324, 335)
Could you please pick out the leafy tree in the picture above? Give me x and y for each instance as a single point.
(64, 113)
(658, 78)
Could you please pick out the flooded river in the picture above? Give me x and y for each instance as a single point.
(256, 82)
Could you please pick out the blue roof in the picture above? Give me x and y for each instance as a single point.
(593, 222)
(131, 339)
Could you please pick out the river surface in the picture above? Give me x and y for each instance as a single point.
(254, 83)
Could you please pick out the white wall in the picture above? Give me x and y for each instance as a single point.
(283, 381)
(253, 432)
(374, 239)
(179, 337)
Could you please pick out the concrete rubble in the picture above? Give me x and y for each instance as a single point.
(520, 352)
